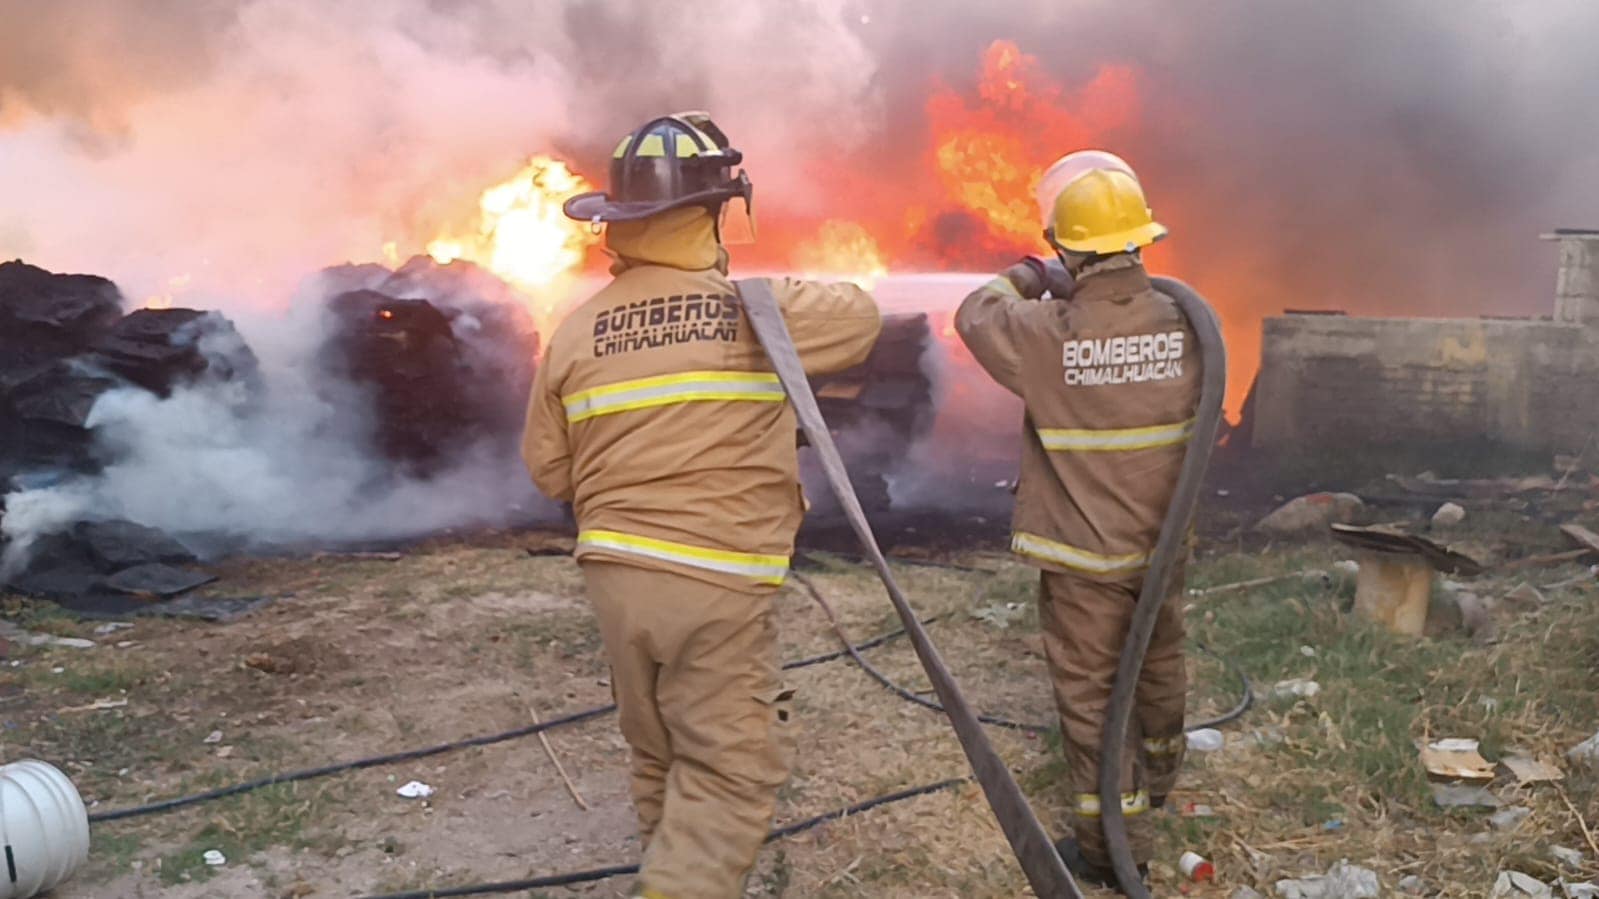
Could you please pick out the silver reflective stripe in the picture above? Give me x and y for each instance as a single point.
(1074, 557)
(665, 390)
(1112, 439)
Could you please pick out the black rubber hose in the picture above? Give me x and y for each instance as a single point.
(168, 805)
(593, 874)
(885, 680)
(1246, 690)
(1169, 549)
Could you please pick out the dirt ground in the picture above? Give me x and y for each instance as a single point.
(466, 637)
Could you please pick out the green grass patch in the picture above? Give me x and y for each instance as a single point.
(285, 815)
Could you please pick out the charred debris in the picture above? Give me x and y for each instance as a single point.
(427, 359)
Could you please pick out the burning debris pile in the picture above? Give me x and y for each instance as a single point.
(391, 389)
(383, 404)
(443, 353)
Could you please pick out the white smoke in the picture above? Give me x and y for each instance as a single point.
(284, 459)
(237, 145)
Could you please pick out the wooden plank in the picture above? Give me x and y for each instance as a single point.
(1581, 535)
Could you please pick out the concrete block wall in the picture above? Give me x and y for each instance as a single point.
(1332, 381)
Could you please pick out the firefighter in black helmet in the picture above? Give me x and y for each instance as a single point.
(656, 414)
(669, 163)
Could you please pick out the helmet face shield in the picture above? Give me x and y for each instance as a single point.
(736, 226)
(1069, 168)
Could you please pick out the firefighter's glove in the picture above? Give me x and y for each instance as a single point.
(1027, 276)
(1033, 277)
(1057, 280)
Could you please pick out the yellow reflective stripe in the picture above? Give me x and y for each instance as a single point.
(1081, 559)
(1003, 285)
(1112, 439)
(1168, 746)
(652, 145)
(764, 569)
(1132, 804)
(664, 390)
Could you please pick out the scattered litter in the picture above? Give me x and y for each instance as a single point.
(1348, 568)
(1527, 593)
(213, 737)
(1448, 515)
(1001, 615)
(1585, 753)
(1463, 796)
(224, 752)
(1476, 617)
(1456, 759)
(1298, 687)
(1197, 810)
(414, 790)
(111, 627)
(1581, 536)
(1270, 735)
(99, 705)
(1311, 513)
(1530, 770)
(1332, 824)
(58, 670)
(1308, 652)
(16, 634)
(1567, 856)
(1509, 818)
(1515, 884)
(1342, 881)
(1412, 885)
(214, 858)
(1206, 739)
(1196, 867)
(1384, 539)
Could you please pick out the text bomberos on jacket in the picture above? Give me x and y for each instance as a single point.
(1126, 359)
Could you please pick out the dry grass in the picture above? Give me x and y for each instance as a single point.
(456, 639)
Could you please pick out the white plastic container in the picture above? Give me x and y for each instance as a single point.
(44, 829)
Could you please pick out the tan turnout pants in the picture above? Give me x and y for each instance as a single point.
(699, 688)
(1084, 624)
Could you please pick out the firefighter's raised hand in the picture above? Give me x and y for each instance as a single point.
(1033, 277)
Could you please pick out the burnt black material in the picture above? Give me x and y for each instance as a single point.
(442, 355)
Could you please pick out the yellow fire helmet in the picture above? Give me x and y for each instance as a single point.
(1103, 211)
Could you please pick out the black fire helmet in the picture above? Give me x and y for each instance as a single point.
(669, 162)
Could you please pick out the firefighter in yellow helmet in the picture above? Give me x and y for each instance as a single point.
(656, 414)
(1108, 372)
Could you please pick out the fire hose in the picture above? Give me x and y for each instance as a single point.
(1027, 837)
(1028, 840)
(1169, 549)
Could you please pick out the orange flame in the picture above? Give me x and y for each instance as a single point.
(842, 249)
(521, 234)
(990, 153)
